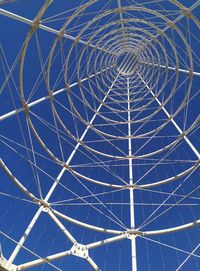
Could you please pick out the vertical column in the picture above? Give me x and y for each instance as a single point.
(132, 213)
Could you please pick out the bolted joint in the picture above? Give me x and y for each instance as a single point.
(131, 186)
(132, 233)
(67, 86)
(77, 40)
(186, 12)
(26, 108)
(80, 250)
(80, 142)
(166, 67)
(87, 44)
(191, 73)
(88, 77)
(44, 203)
(89, 125)
(35, 26)
(65, 166)
(119, 10)
(50, 96)
(176, 69)
(161, 32)
(4, 266)
(61, 34)
(170, 24)
(183, 134)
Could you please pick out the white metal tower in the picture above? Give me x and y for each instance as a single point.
(99, 135)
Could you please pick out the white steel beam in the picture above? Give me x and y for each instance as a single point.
(132, 211)
(171, 68)
(181, 16)
(107, 241)
(93, 264)
(86, 225)
(43, 260)
(174, 229)
(42, 99)
(57, 180)
(62, 227)
(190, 144)
(48, 29)
(121, 18)
(78, 144)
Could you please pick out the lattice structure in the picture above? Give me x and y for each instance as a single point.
(99, 135)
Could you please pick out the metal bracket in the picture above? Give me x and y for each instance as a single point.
(80, 250)
(186, 12)
(133, 233)
(131, 236)
(3, 264)
(45, 204)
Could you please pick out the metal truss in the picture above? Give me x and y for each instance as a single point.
(128, 70)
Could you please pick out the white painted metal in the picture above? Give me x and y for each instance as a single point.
(3, 263)
(81, 250)
(190, 9)
(78, 144)
(93, 264)
(132, 211)
(174, 229)
(44, 260)
(107, 241)
(172, 68)
(36, 216)
(46, 28)
(193, 148)
(62, 227)
(86, 225)
(121, 18)
(24, 237)
(42, 99)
